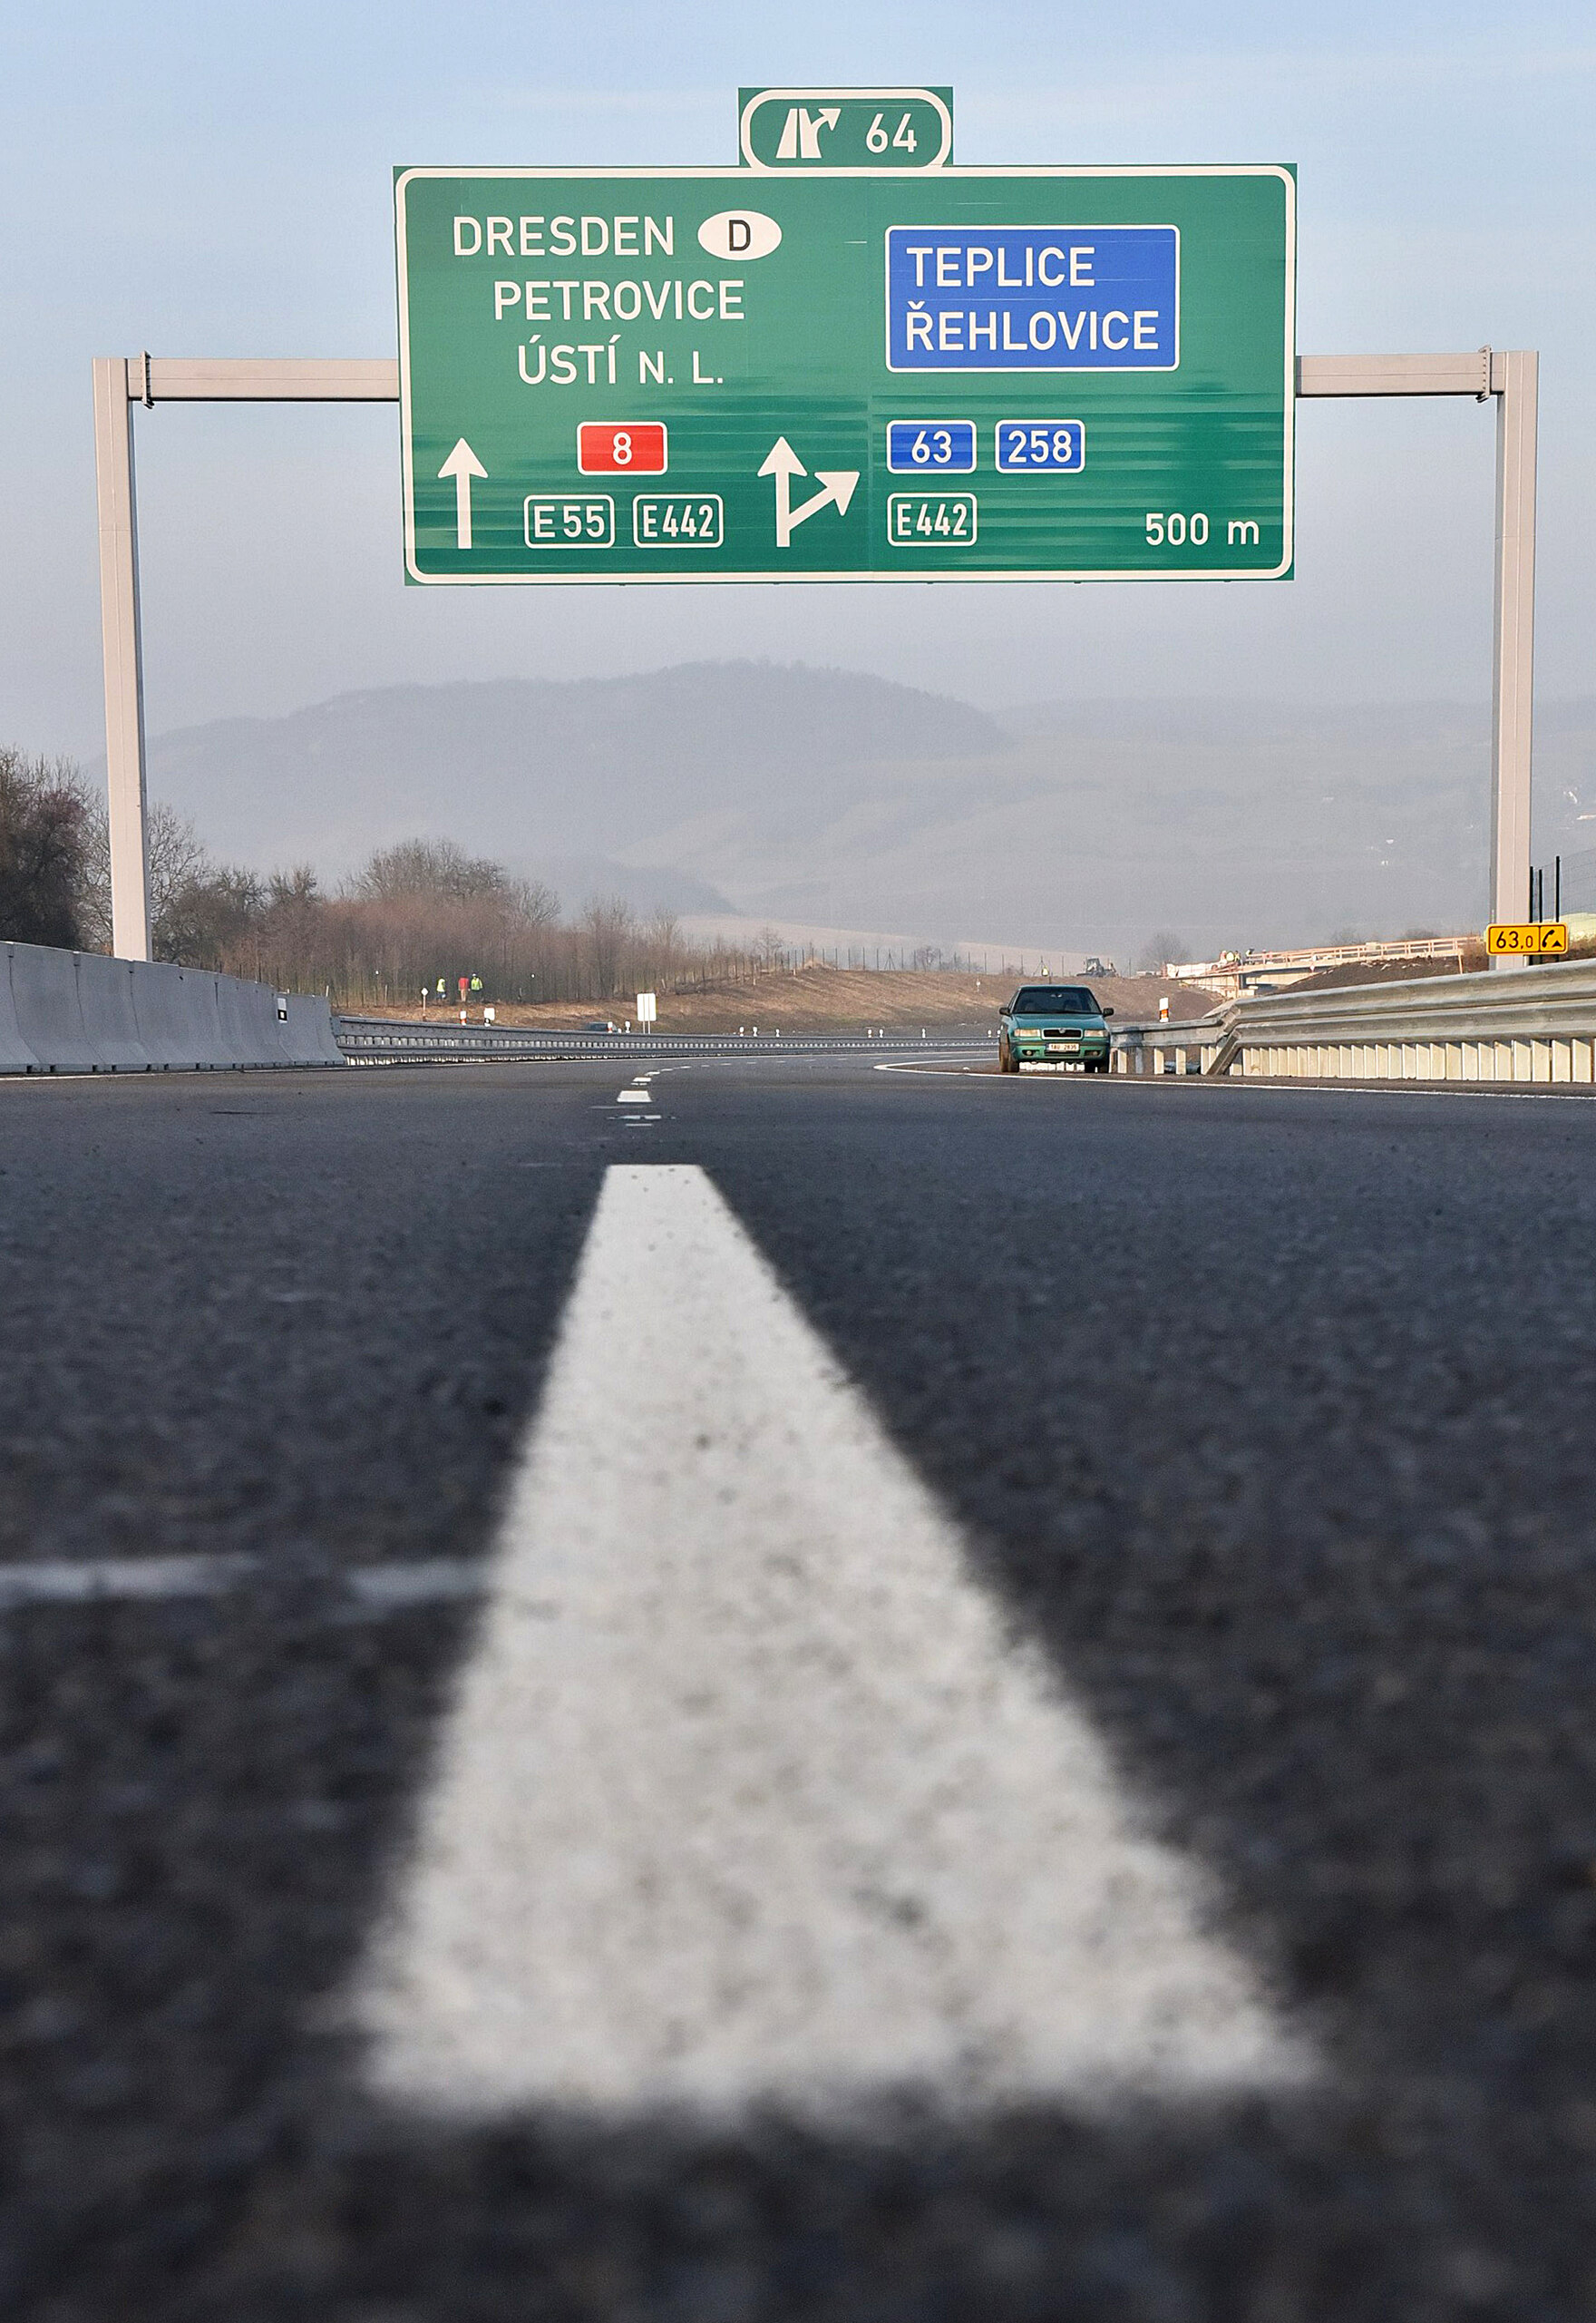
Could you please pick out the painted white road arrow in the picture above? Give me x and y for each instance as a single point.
(462, 464)
(747, 1794)
(784, 464)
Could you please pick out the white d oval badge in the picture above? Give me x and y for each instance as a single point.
(739, 234)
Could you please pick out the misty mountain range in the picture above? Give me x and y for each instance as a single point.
(829, 797)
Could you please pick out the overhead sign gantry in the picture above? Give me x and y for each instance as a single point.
(844, 359)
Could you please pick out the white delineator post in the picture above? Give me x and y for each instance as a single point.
(124, 670)
(1515, 381)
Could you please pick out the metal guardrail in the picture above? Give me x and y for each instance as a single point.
(1521, 1025)
(1194, 1047)
(382, 1040)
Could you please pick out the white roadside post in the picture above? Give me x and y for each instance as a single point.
(121, 382)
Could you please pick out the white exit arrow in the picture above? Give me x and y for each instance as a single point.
(784, 464)
(462, 464)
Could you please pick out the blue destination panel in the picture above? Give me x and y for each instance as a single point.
(945, 447)
(1033, 298)
(1056, 447)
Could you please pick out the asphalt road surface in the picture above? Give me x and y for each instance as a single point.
(803, 1691)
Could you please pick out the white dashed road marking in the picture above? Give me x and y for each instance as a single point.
(80, 1580)
(639, 1094)
(92, 1580)
(747, 1794)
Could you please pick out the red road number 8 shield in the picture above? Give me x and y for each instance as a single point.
(607, 448)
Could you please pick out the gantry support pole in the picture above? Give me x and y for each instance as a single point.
(1513, 378)
(121, 382)
(1513, 658)
(124, 665)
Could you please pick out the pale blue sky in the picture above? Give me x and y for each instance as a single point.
(201, 180)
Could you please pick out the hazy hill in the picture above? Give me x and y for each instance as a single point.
(825, 796)
(540, 771)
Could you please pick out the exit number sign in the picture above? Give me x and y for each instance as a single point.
(845, 128)
(817, 372)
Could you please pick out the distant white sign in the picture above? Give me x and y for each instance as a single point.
(646, 1011)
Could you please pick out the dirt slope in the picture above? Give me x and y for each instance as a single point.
(843, 1000)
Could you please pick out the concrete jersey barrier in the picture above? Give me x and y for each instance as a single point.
(16, 1056)
(111, 1015)
(47, 1005)
(84, 1012)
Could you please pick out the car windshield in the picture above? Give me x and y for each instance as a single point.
(1053, 999)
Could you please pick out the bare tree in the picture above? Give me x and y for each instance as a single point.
(299, 889)
(535, 902)
(608, 927)
(175, 864)
(43, 835)
(1161, 948)
(429, 867)
(661, 937)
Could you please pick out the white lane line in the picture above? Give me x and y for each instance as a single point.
(77, 1580)
(747, 1794)
(389, 1588)
(375, 1588)
(1575, 1096)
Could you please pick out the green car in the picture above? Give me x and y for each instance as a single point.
(1055, 1026)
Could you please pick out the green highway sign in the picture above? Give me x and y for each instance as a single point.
(846, 375)
(845, 128)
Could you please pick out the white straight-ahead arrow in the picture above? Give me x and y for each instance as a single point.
(748, 1794)
(784, 464)
(462, 464)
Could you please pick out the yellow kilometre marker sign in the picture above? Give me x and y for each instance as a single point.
(1528, 936)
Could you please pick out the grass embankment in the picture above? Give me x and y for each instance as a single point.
(835, 1000)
